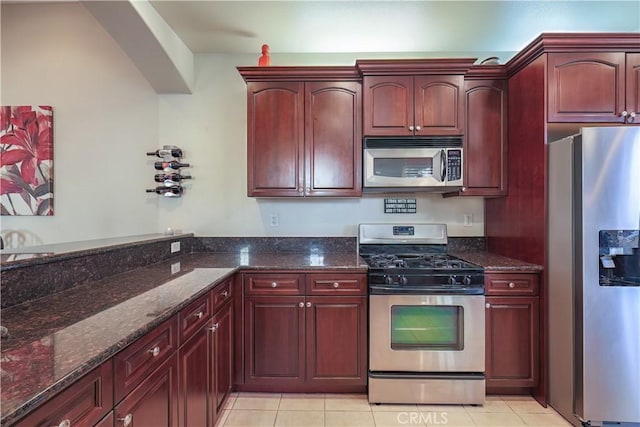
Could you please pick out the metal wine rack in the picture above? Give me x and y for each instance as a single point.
(169, 176)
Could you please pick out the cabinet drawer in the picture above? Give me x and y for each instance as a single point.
(194, 316)
(137, 361)
(274, 284)
(221, 294)
(336, 284)
(83, 403)
(511, 284)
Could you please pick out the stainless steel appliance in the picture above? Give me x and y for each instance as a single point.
(593, 275)
(426, 317)
(421, 164)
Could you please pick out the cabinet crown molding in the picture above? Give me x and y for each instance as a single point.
(397, 67)
(308, 73)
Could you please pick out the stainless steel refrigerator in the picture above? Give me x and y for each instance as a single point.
(593, 275)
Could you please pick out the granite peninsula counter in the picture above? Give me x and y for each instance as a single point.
(56, 339)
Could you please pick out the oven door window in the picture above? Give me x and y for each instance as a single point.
(403, 167)
(430, 327)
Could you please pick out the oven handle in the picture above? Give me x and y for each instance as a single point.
(387, 290)
(427, 375)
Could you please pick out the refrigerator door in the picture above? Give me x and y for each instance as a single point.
(607, 318)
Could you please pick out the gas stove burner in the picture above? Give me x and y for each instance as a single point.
(426, 261)
(386, 261)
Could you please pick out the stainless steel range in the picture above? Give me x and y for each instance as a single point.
(426, 317)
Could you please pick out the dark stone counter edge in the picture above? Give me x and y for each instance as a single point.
(48, 393)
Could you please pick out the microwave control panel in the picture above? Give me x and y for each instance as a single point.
(454, 165)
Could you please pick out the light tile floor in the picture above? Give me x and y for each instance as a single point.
(353, 410)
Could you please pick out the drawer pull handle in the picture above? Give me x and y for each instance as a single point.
(126, 421)
(512, 285)
(214, 327)
(487, 305)
(336, 285)
(65, 423)
(154, 352)
(301, 304)
(308, 304)
(199, 315)
(225, 294)
(274, 285)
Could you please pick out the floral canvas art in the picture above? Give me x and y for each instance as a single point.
(26, 160)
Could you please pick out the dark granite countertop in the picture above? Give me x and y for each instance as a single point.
(56, 339)
(492, 262)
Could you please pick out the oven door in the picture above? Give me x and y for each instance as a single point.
(426, 333)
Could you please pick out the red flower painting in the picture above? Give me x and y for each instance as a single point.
(26, 160)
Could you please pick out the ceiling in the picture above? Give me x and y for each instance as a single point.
(386, 26)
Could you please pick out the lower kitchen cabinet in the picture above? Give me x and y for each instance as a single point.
(222, 354)
(84, 403)
(297, 343)
(154, 402)
(107, 421)
(512, 332)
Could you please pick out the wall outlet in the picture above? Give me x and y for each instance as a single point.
(175, 267)
(468, 220)
(274, 220)
(175, 247)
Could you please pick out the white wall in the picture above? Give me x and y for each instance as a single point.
(105, 118)
(210, 125)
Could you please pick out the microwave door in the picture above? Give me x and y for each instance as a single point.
(410, 167)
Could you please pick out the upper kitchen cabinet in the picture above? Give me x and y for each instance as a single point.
(594, 87)
(485, 144)
(413, 97)
(304, 133)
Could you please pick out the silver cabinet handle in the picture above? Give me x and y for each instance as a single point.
(301, 304)
(411, 128)
(274, 285)
(214, 327)
(308, 190)
(300, 190)
(308, 304)
(336, 285)
(126, 421)
(225, 294)
(463, 189)
(624, 114)
(487, 305)
(418, 127)
(65, 423)
(199, 315)
(512, 285)
(155, 351)
(632, 117)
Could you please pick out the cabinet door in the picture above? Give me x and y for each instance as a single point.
(485, 149)
(274, 341)
(195, 379)
(333, 139)
(388, 106)
(275, 125)
(154, 402)
(512, 333)
(633, 85)
(586, 87)
(336, 343)
(83, 403)
(107, 421)
(438, 105)
(222, 357)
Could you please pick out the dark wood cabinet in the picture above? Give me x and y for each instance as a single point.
(305, 343)
(336, 341)
(195, 378)
(83, 403)
(222, 358)
(485, 144)
(154, 402)
(512, 331)
(304, 134)
(107, 421)
(413, 105)
(593, 87)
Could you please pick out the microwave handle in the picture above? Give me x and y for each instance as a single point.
(443, 165)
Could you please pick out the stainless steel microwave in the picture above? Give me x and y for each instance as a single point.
(413, 164)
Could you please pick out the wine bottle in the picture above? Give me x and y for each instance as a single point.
(166, 152)
(175, 177)
(167, 166)
(173, 191)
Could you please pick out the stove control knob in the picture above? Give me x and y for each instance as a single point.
(388, 280)
(452, 280)
(466, 280)
(402, 279)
